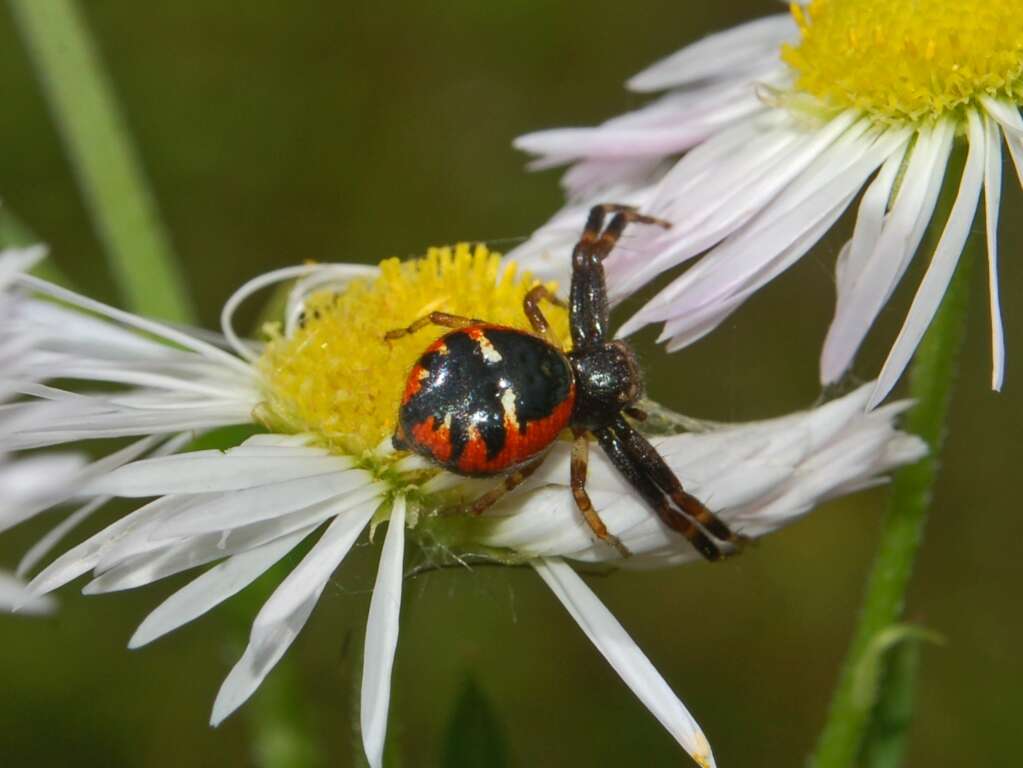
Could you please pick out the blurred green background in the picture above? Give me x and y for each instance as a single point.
(274, 132)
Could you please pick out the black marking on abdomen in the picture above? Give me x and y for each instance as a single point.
(464, 390)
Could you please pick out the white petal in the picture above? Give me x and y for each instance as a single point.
(1006, 113)
(206, 471)
(621, 651)
(250, 505)
(285, 613)
(46, 544)
(992, 201)
(382, 637)
(757, 477)
(85, 556)
(719, 54)
(13, 261)
(1011, 122)
(13, 596)
(142, 559)
(67, 486)
(942, 266)
(214, 587)
(1015, 145)
(901, 234)
(142, 324)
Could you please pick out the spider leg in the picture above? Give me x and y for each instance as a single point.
(614, 442)
(636, 413)
(531, 306)
(646, 455)
(491, 497)
(434, 318)
(588, 305)
(580, 457)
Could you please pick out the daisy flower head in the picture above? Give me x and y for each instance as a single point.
(320, 395)
(31, 481)
(781, 123)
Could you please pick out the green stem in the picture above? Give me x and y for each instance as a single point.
(107, 168)
(932, 378)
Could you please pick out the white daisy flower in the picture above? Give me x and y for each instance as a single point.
(321, 397)
(28, 481)
(782, 122)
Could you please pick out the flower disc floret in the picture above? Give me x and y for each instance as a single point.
(908, 60)
(336, 377)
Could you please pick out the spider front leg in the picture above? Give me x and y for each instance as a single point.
(434, 318)
(616, 442)
(531, 307)
(580, 459)
(588, 305)
(646, 456)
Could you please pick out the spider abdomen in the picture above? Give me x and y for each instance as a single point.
(485, 399)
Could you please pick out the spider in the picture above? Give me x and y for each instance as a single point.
(486, 400)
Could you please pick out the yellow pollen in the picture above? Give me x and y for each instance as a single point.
(338, 378)
(908, 60)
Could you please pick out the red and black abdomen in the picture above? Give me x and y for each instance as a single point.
(485, 399)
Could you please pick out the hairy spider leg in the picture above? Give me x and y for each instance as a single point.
(646, 456)
(531, 306)
(614, 442)
(588, 305)
(434, 318)
(580, 461)
(510, 482)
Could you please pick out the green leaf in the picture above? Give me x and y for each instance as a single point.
(868, 674)
(473, 738)
(885, 739)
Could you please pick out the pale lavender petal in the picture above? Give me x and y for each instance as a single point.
(687, 329)
(620, 141)
(740, 188)
(853, 260)
(900, 236)
(942, 266)
(720, 54)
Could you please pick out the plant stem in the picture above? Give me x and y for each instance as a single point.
(108, 171)
(932, 377)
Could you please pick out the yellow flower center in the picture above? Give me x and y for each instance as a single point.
(338, 378)
(908, 60)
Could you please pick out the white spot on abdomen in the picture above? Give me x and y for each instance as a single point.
(490, 354)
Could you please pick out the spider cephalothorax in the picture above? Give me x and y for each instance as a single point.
(485, 399)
